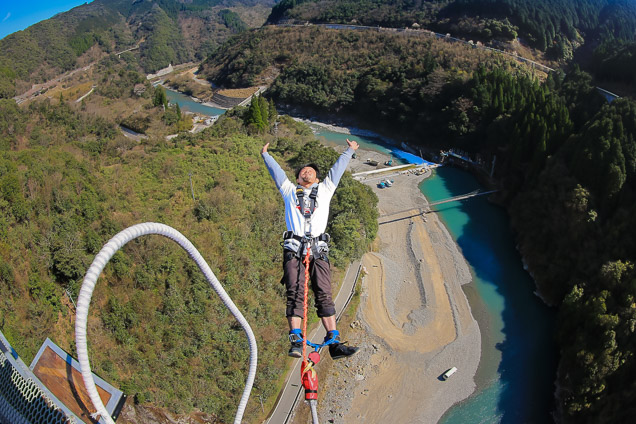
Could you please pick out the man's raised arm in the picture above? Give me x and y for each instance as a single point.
(277, 173)
(338, 168)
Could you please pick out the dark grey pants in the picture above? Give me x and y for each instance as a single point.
(294, 280)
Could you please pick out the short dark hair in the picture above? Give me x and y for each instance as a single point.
(310, 165)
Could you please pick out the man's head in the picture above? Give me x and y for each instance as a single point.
(308, 174)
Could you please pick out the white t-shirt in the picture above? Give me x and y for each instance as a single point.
(293, 217)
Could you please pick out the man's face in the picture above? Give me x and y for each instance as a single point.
(307, 175)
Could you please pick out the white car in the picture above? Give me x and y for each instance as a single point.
(448, 373)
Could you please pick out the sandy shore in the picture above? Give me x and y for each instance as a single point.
(414, 321)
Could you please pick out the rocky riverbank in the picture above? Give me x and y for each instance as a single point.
(414, 321)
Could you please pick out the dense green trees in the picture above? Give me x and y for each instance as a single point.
(514, 115)
(12, 124)
(392, 13)
(615, 61)
(164, 44)
(567, 162)
(160, 98)
(232, 20)
(261, 115)
(160, 333)
(555, 27)
(378, 77)
(118, 75)
(585, 194)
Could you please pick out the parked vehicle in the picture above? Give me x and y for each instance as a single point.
(448, 373)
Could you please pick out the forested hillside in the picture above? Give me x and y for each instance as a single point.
(599, 34)
(553, 26)
(69, 181)
(166, 31)
(614, 63)
(574, 216)
(377, 77)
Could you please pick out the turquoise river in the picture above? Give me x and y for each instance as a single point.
(515, 379)
(187, 104)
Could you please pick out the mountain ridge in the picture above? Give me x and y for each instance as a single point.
(170, 31)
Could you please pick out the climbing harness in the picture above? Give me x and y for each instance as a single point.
(298, 245)
(88, 285)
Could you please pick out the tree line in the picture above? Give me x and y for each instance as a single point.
(574, 220)
(555, 27)
(376, 77)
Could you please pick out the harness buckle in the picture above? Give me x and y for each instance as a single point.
(306, 208)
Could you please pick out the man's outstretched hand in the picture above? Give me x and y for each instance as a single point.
(265, 148)
(353, 144)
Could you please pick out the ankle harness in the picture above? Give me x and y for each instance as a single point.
(295, 335)
(332, 337)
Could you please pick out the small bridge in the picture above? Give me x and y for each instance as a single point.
(462, 197)
(427, 208)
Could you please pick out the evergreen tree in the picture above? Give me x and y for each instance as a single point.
(273, 114)
(253, 117)
(160, 97)
(264, 109)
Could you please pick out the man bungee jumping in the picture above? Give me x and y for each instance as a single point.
(306, 214)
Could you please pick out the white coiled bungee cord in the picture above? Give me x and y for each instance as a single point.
(88, 285)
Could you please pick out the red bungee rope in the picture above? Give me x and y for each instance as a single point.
(306, 262)
(308, 375)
